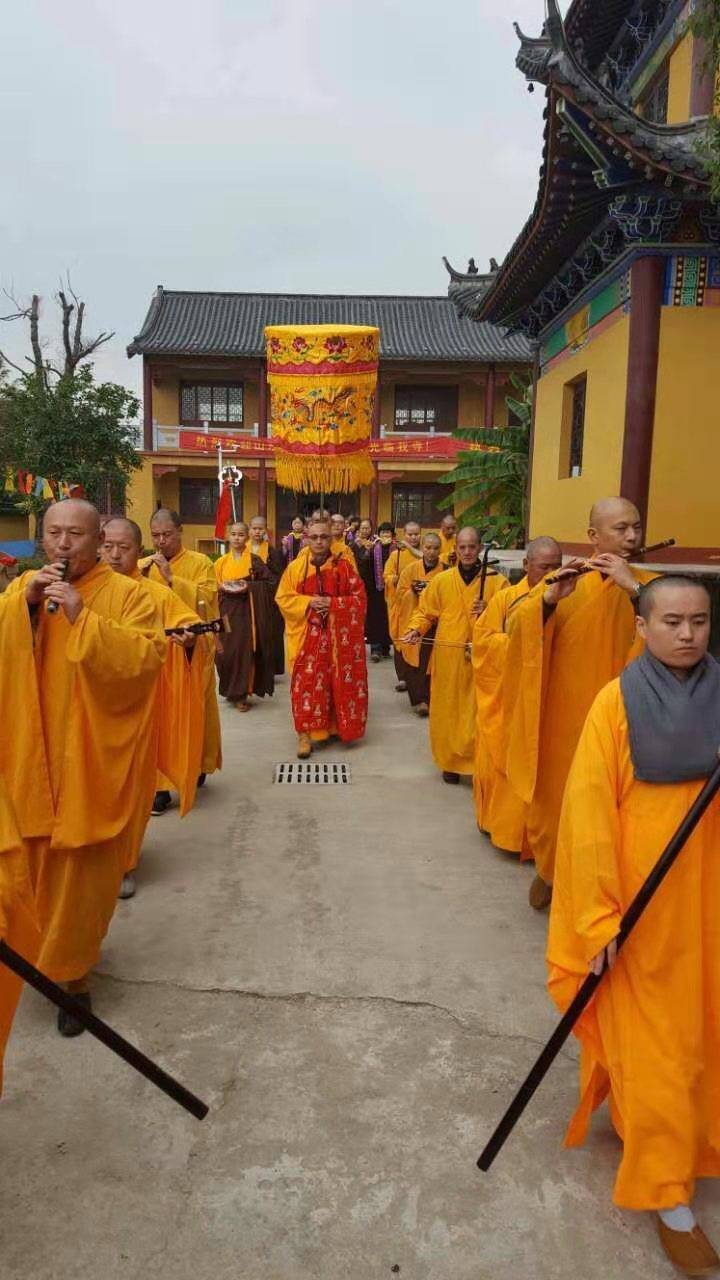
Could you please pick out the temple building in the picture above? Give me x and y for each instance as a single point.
(615, 278)
(204, 376)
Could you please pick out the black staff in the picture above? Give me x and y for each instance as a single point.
(489, 546)
(202, 628)
(119, 1045)
(589, 986)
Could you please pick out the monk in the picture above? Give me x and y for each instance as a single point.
(411, 661)
(323, 603)
(79, 687)
(372, 555)
(247, 585)
(294, 541)
(566, 642)
(192, 576)
(262, 548)
(180, 694)
(500, 813)
(452, 603)
(651, 1037)
(19, 926)
(406, 551)
(448, 539)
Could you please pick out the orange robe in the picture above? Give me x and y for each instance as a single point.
(448, 548)
(448, 602)
(180, 701)
(193, 578)
(406, 603)
(18, 918)
(553, 673)
(399, 559)
(338, 547)
(80, 767)
(500, 812)
(651, 1036)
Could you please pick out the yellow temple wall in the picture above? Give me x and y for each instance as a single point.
(560, 506)
(680, 81)
(684, 500)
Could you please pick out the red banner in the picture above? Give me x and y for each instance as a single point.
(423, 449)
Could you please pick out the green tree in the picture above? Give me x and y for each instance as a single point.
(490, 480)
(74, 430)
(704, 23)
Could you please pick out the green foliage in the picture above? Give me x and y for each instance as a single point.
(76, 430)
(490, 484)
(704, 23)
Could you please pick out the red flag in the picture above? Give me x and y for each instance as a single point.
(223, 513)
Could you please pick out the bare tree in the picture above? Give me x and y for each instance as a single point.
(75, 346)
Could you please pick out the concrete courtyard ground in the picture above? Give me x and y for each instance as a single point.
(353, 980)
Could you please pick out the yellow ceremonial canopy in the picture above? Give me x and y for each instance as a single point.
(323, 383)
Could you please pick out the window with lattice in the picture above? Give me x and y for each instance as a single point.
(211, 402)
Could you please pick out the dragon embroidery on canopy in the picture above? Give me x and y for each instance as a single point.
(322, 410)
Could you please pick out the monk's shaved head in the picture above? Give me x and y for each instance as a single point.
(660, 591)
(431, 538)
(608, 509)
(71, 533)
(164, 513)
(77, 509)
(543, 546)
(469, 531)
(615, 527)
(120, 522)
(542, 556)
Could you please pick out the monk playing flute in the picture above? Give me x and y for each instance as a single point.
(500, 812)
(180, 698)
(247, 585)
(566, 642)
(406, 552)
(411, 661)
(651, 1037)
(323, 602)
(451, 603)
(78, 686)
(191, 576)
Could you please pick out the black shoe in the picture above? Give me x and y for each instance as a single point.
(401, 687)
(201, 780)
(452, 778)
(68, 1025)
(375, 657)
(162, 801)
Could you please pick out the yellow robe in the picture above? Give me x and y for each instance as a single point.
(80, 767)
(500, 812)
(448, 602)
(553, 673)
(194, 580)
(338, 547)
(651, 1036)
(398, 560)
(448, 547)
(406, 603)
(18, 918)
(180, 701)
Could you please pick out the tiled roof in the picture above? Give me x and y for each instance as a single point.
(182, 323)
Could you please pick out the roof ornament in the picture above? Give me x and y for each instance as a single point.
(537, 54)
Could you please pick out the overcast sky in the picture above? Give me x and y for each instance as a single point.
(283, 145)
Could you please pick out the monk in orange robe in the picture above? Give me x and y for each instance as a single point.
(650, 1039)
(247, 582)
(180, 694)
(19, 926)
(79, 686)
(566, 642)
(411, 661)
(406, 552)
(500, 812)
(323, 602)
(452, 603)
(192, 576)
(448, 539)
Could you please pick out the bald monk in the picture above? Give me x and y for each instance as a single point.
(247, 585)
(260, 546)
(566, 642)
(651, 1036)
(19, 926)
(192, 576)
(500, 812)
(79, 687)
(180, 694)
(452, 603)
(448, 539)
(411, 661)
(338, 542)
(323, 602)
(406, 551)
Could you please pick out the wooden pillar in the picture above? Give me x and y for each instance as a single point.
(148, 442)
(531, 446)
(262, 433)
(490, 397)
(375, 485)
(646, 294)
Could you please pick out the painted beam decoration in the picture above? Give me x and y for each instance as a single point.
(323, 384)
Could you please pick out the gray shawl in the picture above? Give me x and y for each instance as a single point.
(674, 725)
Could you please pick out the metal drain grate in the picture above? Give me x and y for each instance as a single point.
(309, 772)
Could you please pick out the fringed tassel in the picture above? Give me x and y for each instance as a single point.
(315, 474)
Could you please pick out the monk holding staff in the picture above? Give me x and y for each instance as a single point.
(651, 1037)
(406, 552)
(411, 661)
(452, 602)
(192, 576)
(566, 642)
(247, 585)
(78, 686)
(500, 812)
(180, 700)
